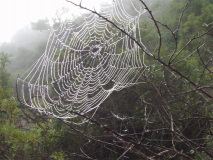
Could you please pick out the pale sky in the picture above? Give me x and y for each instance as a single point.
(15, 14)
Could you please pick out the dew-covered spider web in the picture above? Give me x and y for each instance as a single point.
(85, 60)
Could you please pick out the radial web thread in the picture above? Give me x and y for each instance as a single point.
(85, 60)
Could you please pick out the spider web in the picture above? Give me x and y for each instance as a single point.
(85, 61)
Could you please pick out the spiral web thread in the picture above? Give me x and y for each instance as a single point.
(84, 62)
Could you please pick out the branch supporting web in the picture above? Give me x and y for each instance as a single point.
(85, 61)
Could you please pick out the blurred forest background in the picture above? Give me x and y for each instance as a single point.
(26, 134)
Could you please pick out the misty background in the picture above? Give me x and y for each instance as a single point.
(25, 27)
(140, 114)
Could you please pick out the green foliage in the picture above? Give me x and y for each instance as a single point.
(21, 140)
(4, 75)
(26, 134)
(22, 136)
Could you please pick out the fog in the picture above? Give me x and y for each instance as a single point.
(22, 42)
(17, 14)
